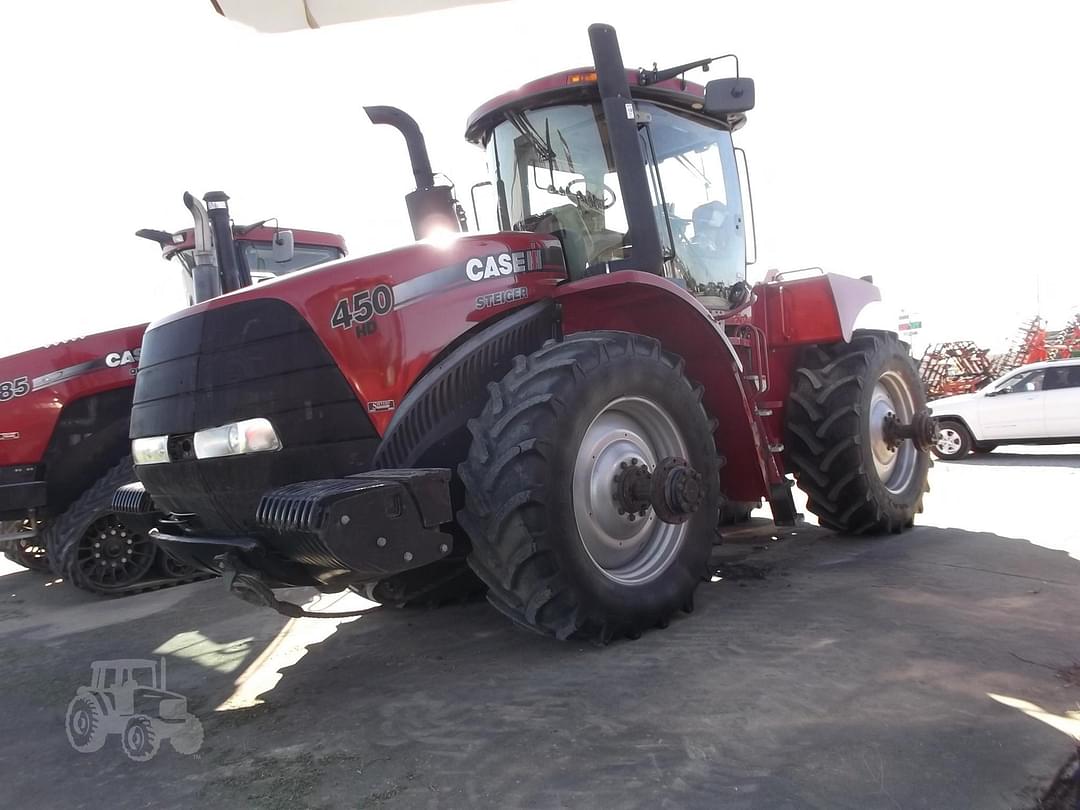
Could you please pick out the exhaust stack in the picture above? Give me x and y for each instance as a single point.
(233, 277)
(432, 208)
(205, 275)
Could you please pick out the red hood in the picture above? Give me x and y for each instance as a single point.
(35, 386)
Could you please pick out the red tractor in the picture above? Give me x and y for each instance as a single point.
(561, 407)
(64, 414)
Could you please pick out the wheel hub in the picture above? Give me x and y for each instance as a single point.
(892, 408)
(612, 490)
(632, 489)
(673, 489)
(922, 430)
(111, 556)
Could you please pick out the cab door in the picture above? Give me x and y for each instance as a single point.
(1014, 410)
(1061, 401)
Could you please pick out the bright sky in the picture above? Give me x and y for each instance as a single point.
(932, 145)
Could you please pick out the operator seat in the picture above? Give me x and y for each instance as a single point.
(566, 223)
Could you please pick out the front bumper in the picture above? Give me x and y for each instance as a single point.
(361, 528)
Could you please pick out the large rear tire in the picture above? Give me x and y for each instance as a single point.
(836, 441)
(542, 476)
(90, 547)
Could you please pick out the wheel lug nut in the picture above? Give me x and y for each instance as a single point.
(634, 461)
(623, 465)
(97, 545)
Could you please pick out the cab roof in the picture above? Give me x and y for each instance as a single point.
(185, 239)
(580, 84)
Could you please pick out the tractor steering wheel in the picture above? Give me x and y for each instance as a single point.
(587, 199)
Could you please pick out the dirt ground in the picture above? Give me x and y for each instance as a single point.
(938, 669)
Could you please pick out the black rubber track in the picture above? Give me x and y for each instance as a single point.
(519, 510)
(67, 531)
(827, 435)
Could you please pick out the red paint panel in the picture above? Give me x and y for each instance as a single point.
(801, 311)
(27, 422)
(567, 80)
(436, 303)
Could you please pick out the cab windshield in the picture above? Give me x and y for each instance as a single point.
(555, 174)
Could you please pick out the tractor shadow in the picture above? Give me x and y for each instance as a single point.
(815, 670)
(833, 644)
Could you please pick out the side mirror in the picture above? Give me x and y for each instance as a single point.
(283, 248)
(725, 96)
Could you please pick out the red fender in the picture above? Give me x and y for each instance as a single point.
(650, 305)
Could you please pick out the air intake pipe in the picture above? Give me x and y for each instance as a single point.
(431, 208)
(233, 276)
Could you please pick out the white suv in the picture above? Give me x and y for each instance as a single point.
(1034, 404)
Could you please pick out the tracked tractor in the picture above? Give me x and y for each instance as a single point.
(557, 411)
(64, 414)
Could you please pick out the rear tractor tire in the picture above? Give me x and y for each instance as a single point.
(859, 479)
(564, 453)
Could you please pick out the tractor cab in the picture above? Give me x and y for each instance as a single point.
(258, 252)
(671, 204)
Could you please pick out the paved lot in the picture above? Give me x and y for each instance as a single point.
(931, 670)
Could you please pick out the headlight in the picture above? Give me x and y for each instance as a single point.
(249, 436)
(150, 450)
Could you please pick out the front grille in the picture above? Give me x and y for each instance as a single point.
(253, 358)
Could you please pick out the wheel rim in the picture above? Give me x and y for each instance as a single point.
(111, 556)
(628, 551)
(896, 464)
(137, 738)
(80, 723)
(949, 441)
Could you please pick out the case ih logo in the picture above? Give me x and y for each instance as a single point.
(504, 264)
(124, 358)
